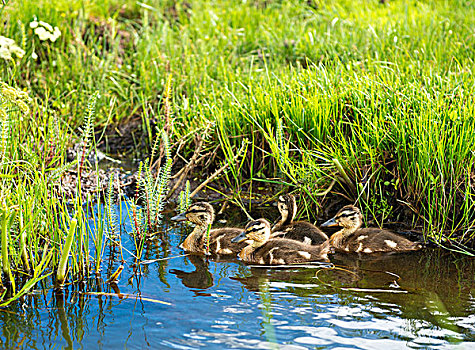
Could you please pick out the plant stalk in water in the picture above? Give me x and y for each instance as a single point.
(8, 216)
(61, 274)
(208, 230)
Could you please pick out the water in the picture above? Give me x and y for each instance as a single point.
(423, 300)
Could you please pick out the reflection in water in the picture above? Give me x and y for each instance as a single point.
(200, 278)
(424, 299)
(266, 301)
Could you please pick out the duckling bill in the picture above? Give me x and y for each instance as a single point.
(353, 238)
(202, 215)
(264, 250)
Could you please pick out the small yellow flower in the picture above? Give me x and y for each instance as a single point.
(16, 97)
(3, 114)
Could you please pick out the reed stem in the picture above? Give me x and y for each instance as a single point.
(61, 274)
(5, 262)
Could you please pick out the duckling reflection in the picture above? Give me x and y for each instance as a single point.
(353, 238)
(200, 278)
(286, 227)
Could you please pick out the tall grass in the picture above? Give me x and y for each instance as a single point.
(41, 232)
(397, 146)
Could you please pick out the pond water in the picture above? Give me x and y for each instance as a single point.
(423, 300)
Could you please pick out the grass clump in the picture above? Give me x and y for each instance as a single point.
(41, 232)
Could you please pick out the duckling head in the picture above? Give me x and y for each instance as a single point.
(200, 213)
(287, 206)
(349, 217)
(256, 232)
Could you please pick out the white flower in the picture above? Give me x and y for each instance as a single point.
(4, 41)
(47, 26)
(34, 55)
(17, 51)
(45, 31)
(5, 53)
(42, 33)
(9, 47)
(56, 34)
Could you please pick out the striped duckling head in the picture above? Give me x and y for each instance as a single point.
(256, 232)
(199, 213)
(287, 206)
(349, 217)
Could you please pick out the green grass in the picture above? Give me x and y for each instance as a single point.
(355, 99)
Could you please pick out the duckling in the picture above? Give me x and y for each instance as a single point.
(301, 231)
(352, 238)
(264, 250)
(202, 215)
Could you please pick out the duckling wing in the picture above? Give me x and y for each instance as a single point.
(302, 231)
(220, 241)
(281, 251)
(371, 240)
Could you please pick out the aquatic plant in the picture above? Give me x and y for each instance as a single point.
(184, 199)
(7, 218)
(61, 271)
(110, 205)
(89, 117)
(153, 189)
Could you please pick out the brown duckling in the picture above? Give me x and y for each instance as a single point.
(202, 215)
(286, 227)
(264, 250)
(352, 238)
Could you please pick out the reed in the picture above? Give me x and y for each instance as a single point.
(7, 219)
(61, 271)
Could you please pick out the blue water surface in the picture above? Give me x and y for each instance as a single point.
(422, 300)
